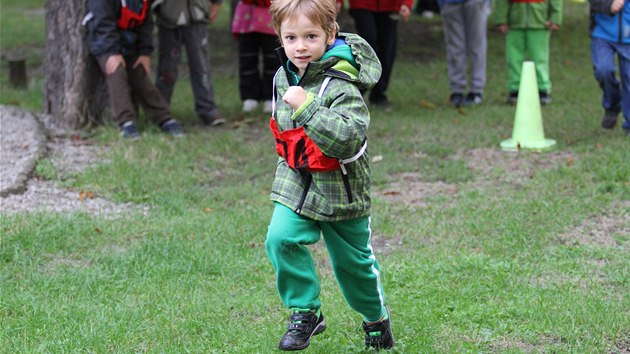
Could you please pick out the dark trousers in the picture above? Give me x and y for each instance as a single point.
(195, 39)
(127, 83)
(379, 29)
(254, 83)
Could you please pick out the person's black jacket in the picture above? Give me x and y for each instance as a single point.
(105, 38)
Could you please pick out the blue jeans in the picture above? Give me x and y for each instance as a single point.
(616, 95)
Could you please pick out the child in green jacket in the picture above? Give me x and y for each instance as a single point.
(317, 92)
(527, 25)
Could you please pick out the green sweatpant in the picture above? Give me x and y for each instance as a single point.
(351, 256)
(528, 44)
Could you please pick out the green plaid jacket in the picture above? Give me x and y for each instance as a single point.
(338, 123)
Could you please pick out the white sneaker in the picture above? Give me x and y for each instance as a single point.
(268, 106)
(250, 105)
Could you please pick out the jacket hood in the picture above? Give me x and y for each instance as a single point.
(350, 58)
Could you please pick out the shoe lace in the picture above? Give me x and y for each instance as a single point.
(374, 333)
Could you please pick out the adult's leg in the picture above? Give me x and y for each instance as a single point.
(387, 26)
(515, 56)
(355, 266)
(538, 47)
(623, 56)
(365, 24)
(476, 17)
(296, 278)
(603, 57)
(454, 38)
(120, 98)
(169, 54)
(196, 42)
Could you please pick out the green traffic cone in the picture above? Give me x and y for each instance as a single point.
(528, 130)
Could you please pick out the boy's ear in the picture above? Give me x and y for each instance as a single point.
(331, 39)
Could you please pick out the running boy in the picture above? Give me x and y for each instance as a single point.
(322, 192)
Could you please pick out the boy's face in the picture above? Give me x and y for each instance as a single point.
(303, 41)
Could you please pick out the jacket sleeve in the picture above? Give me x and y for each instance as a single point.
(338, 122)
(501, 11)
(145, 35)
(602, 6)
(103, 35)
(555, 11)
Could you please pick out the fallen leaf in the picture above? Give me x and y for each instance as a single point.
(82, 196)
(391, 193)
(427, 104)
(569, 160)
(377, 158)
(208, 210)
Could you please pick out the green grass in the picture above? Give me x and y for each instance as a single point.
(496, 266)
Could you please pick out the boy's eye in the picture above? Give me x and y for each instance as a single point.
(311, 36)
(289, 38)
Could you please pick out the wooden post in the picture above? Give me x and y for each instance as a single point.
(17, 72)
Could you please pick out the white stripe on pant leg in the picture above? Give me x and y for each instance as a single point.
(373, 258)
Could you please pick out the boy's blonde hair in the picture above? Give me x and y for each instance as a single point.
(321, 12)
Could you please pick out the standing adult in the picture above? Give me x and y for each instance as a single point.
(464, 23)
(377, 22)
(610, 35)
(186, 22)
(120, 38)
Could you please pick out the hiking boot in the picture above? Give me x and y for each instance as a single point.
(129, 131)
(212, 120)
(473, 99)
(172, 127)
(545, 97)
(302, 326)
(512, 98)
(610, 120)
(249, 105)
(456, 99)
(379, 335)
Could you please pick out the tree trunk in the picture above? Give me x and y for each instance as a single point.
(75, 94)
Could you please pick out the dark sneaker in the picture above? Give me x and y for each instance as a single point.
(302, 326)
(512, 98)
(456, 99)
(213, 119)
(128, 130)
(379, 335)
(545, 97)
(172, 127)
(382, 103)
(610, 120)
(473, 99)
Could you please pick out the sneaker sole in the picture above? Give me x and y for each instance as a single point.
(319, 329)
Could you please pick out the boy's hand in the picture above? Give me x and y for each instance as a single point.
(112, 63)
(145, 61)
(404, 12)
(552, 26)
(294, 97)
(214, 11)
(616, 6)
(503, 28)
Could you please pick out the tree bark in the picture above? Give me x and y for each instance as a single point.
(75, 94)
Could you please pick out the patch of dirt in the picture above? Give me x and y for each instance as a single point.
(410, 190)
(601, 229)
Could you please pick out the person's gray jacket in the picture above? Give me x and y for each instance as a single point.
(177, 13)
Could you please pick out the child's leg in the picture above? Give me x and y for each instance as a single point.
(270, 63)
(169, 54)
(623, 55)
(538, 47)
(603, 57)
(354, 264)
(515, 56)
(476, 15)
(248, 74)
(455, 40)
(296, 277)
(155, 106)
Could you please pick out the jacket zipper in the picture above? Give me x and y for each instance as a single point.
(346, 184)
(309, 180)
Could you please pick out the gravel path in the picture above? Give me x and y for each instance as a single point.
(24, 140)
